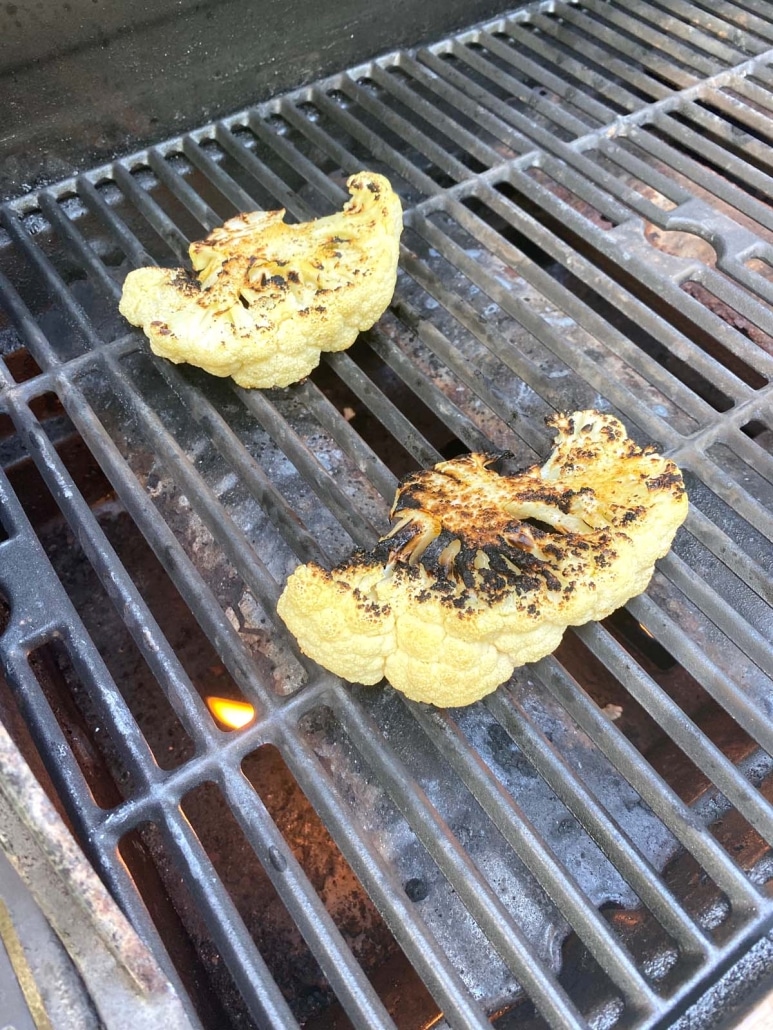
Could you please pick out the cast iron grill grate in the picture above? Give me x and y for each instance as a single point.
(588, 223)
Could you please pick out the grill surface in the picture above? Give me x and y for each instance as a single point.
(588, 224)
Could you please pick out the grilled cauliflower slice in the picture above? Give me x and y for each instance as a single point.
(266, 298)
(482, 572)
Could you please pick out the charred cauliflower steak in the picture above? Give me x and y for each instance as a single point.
(266, 298)
(482, 572)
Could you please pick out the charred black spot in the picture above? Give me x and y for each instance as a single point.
(664, 481)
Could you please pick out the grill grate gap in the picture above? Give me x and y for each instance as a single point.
(266, 918)
(359, 416)
(761, 433)
(357, 919)
(599, 304)
(98, 760)
(18, 728)
(641, 729)
(696, 382)
(170, 902)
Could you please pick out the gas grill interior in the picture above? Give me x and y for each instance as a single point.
(588, 224)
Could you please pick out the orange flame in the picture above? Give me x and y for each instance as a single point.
(232, 714)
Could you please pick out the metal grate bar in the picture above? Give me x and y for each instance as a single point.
(640, 28)
(304, 905)
(747, 25)
(651, 787)
(470, 376)
(654, 62)
(595, 112)
(230, 538)
(118, 229)
(628, 162)
(228, 932)
(718, 126)
(401, 127)
(659, 285)
(55, 751)
(159, 656)
(295, 159)
(754, 512)
(594, 67)
(519, 363)
(319, 479)
(435, 116)
(591, 371)
(723, 615)
(199, 598)
(734, 107)
(600, 825)
(647, 140)
(275, 505)
(557, 881)
(286, 198)
(74, 311)
(488, 102)
(163, 225)
(511, 87)
(454, 97)
(399, 426)
(476, 894)
(721, 545)
(682, 730)
(710, 35)
(374, 143)
(34, 339)
(437, 401)
(185, 193)
(231, 190)
(565, 300)
(442, 979)
(712, 679)
(350, 442)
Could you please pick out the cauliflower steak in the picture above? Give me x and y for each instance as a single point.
(266, 298)
(482, 572)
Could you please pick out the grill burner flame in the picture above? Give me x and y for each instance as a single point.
(233, 715)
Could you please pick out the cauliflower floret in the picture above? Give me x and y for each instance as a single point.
(482, 572)
(266, 298)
